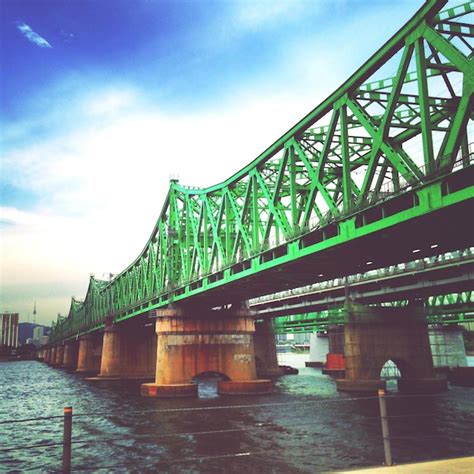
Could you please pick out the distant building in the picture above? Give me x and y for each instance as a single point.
(9, 329)
(38, 339)
(301, 338)
(38, 333)
(26, 331)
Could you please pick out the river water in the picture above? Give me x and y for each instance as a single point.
(305, 426)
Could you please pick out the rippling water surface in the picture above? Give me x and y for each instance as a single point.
(305, 426)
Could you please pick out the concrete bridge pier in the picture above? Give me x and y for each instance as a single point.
(52, 358)
(70, 354)
(89, 353)
(265, 349)
(110, 357)
(128, 351)
(372, 336)
(335, 359)
(58, 362)
(318, 349)
(194, 342)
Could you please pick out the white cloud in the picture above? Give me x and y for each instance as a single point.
(254, 14)
(11, 215)
(103, 185)
(102, 182)
(102, 170)
(111, 101)
(30, 35)
(111, 170)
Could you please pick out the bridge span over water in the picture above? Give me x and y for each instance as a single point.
(444, 283)
(380, 171)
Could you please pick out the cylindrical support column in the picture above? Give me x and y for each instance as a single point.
(67, 360)
(110, 362)
(52, 360)
(70, 355)
(218, 341)
(373, 335)
(265, 349)
(318, 349)
(60, 355)
(85, 357)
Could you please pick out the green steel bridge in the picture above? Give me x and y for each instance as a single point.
(380, 170)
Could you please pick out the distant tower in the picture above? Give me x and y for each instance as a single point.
(34, 313)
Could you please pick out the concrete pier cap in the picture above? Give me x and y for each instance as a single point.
(128, 351)
(192, 341)
(89, 353)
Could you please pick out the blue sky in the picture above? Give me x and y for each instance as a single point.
(102, 100)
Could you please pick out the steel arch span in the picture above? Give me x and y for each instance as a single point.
(380, 169)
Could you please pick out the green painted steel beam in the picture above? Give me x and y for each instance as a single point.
(453, 308)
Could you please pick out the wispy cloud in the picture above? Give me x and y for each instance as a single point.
(253, 15)
(12, 215)
(97, 153)
(30, 35)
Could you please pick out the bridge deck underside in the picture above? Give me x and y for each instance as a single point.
(412, 285)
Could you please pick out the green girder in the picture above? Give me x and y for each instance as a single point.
(453, 308)
(369, 138)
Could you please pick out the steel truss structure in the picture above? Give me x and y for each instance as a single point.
(377, 152)
(453, 308)
(414, 280)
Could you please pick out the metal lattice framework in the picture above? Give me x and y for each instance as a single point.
(456, 258)
(452, 308)
(370, 139)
